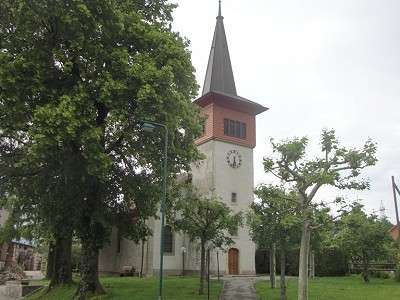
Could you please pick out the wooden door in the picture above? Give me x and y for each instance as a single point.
(233, 261)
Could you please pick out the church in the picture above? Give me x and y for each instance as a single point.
(227, 144)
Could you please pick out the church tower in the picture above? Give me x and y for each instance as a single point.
(229, 137)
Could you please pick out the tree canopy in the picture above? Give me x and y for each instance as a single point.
(363, 238)
(205, 220)
(337, 166)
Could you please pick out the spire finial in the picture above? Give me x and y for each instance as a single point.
(219, 9)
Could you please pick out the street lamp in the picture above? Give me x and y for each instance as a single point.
(148, 126)
(208, 247)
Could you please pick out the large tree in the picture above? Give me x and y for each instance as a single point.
(205, 220)
(338, 166)
(76, 78)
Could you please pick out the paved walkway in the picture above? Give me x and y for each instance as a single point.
(240, 287)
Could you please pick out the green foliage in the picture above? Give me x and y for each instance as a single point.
(331, 262)
(290, 163)
(380, 274)
(76, 253)
(78, 88)
(205, 219)
(362, 238)
(9, 231)
(274, 216)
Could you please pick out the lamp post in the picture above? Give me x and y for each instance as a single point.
(208, 247)
(148, 126)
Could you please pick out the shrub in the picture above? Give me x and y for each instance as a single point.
(331, 262)
(380, 274)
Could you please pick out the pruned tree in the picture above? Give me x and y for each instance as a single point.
(76, 78)
(205, 220)
(338, 166)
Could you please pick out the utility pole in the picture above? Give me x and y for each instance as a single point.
(395, 189)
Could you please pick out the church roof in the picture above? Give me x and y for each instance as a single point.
(232, 102)
(219, 75)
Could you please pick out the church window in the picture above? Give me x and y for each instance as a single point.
(233, 197)
(168, 239)
(119, 243)
(235, 231)
(235, 129)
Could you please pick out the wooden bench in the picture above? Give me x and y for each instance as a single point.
(128, 271)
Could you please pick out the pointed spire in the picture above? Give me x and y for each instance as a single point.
(219, 75)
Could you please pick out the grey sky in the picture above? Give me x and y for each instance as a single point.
(316, 64)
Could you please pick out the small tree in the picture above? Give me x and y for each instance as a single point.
(337, 166)
(205, 219)
(274, 218)
(364, 238)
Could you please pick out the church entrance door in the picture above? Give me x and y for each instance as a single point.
(233, 261)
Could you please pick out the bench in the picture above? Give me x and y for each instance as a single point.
(128, 271)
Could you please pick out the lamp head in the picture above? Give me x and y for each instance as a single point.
(147, 126)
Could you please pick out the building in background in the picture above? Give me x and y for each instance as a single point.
(19, 252)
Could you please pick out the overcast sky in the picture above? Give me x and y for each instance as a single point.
(316, 64)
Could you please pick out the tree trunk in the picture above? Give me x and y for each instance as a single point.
(312, 264)
(272, 265)
(89, 284)
(303, 260)
(50, 261)
(202, 268)
(283, 269)
(365, 272)
(62, 273)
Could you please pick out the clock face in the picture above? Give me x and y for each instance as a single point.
(234, 159)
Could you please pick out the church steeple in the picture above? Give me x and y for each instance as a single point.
(219, 75)
(230, 118)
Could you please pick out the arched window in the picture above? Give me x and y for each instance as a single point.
(119, 242)
(168, 239)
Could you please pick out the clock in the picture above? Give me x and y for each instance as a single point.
(234, 158)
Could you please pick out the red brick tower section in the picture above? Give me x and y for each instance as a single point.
(224, 116)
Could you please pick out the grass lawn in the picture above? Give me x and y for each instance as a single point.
(335, 288)
(174, 288)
